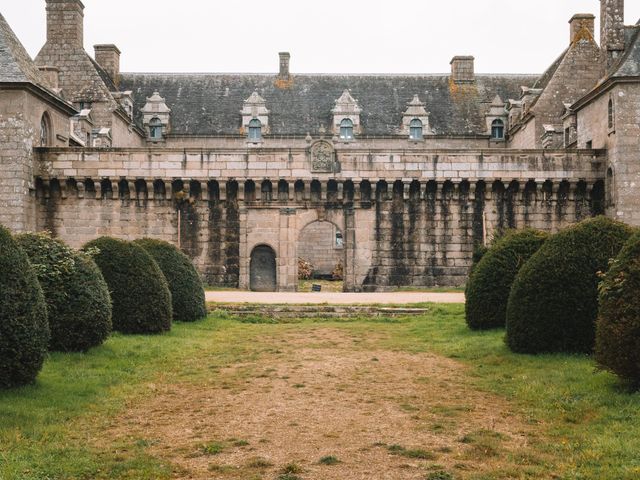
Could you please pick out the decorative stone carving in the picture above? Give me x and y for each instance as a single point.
(125, 99)
(82, 127)
(322, 157)
(101, 138)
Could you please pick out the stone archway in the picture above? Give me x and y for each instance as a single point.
(262, 269)
(321, 243)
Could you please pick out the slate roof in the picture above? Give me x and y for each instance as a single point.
(546, 77)
(630, 63)
(210, 104)
(16, 66)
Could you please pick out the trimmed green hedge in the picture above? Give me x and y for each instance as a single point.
(489, 284)
(618, 325)
(553, 302)
(139, 291)
(24, 330)
(187, 292)
(76, 294)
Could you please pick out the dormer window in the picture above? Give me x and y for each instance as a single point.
(255, 130)
(346, 117)
(156, 116)
(497, 130)
(415, 129)
(255, 118)
(155, 129)
(346, 129)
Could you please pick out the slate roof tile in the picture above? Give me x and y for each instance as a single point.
(16, 66)
(210, 104)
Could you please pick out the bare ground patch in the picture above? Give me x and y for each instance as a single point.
(326, 404)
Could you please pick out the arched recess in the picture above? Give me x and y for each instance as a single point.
(298, 188)
(159, 189)
(283, 191)
(262, 269)
(609, 199)
(46, 135)
(321, 243)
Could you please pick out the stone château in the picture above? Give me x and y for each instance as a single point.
(396, 177)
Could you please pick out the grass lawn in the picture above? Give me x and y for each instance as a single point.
(109, 413)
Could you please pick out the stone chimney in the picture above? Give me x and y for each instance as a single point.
(580, 25)
(612, 30)
(65, 22)
(52, 76)
(462, 69)
(284, 65)
(284, 79)
(108, 57)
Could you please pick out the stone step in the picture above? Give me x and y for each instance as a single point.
(317, 311)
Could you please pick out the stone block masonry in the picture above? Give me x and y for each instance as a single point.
(406, 219)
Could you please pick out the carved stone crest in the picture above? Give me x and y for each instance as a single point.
(322, 157)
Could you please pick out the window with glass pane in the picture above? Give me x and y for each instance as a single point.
(255, 130)
(346, 129)
(155, 128)
(415, 128)
(497, 130)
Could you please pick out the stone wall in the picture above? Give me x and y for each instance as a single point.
(623, 173)
(407, 218)
(20, 116)
(317, 245)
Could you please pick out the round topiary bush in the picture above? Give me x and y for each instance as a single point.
(139, 292)
(24, 330)
(187, 293)
(553, 302)
(489, 284)
(618, 325)
(77, 297)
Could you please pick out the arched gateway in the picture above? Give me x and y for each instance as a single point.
(262, 275)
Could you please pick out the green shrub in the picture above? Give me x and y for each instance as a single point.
(618, 324)
(479, 251)
(187, 292)
(139, 291)
(489, 284)
(554, 299)
(77, 297)
(24, 330)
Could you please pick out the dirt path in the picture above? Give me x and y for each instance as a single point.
(320, 393)
(398, 298)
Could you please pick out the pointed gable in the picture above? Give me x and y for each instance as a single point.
(16, 65)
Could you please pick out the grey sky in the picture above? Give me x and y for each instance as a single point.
(419, 36)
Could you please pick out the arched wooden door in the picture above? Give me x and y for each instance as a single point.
(262, 269)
